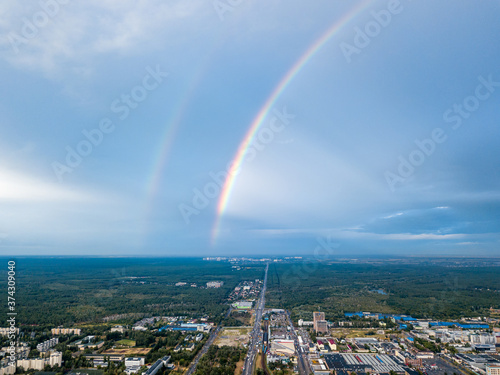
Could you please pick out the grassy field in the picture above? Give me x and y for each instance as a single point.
(126, 342)
(128, 352)
(352, 333)
(239, 367)
(258, 363)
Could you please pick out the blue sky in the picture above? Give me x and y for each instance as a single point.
(120, 118)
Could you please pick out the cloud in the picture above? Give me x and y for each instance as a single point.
(15, 186)
(298, 183)
(48, 38)
(393, 215)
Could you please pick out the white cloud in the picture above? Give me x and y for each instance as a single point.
(15, 186)
(74, 33)
(293, 183)
(393, 215)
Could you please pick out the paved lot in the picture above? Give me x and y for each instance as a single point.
(442, 367)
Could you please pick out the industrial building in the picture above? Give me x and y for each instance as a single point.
(215, 284)
(242, 305)
(363, 363)
(158, 365)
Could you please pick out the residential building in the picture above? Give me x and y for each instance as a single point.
(8, 370)
(55, 359)
(5, 331)
(46, 345)
(66, 331)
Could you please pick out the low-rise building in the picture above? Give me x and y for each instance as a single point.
(134, 361)
(118, 328)
(493, 369)
(215, 284)
(243, 305)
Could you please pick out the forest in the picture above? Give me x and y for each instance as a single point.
(421, 290)
(220, 360)
(61, 291)
(66, 291)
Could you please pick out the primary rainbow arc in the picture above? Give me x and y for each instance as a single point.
(268, 105)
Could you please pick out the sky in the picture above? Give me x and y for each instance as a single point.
(234, 127)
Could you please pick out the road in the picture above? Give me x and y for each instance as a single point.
(210, 341)
(302, 362)
(253, 346)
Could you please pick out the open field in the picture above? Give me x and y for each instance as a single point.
(258, 363)
(128, 351)
(126, 342)
(352, 333)
(239, 367)
(233, 336)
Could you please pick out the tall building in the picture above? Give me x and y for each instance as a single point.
(322, 326)
(317, 316)
(319, 322)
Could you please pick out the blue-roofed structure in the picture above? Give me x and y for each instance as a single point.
(404, 318)
(460, 325)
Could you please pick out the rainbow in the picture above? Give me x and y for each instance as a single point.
(268, 105)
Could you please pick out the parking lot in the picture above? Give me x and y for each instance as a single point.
(443, 367)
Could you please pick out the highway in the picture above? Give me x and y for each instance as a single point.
(255, 335)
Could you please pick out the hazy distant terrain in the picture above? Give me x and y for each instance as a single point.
(53, 291)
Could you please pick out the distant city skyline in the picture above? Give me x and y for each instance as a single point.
(325, 129)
